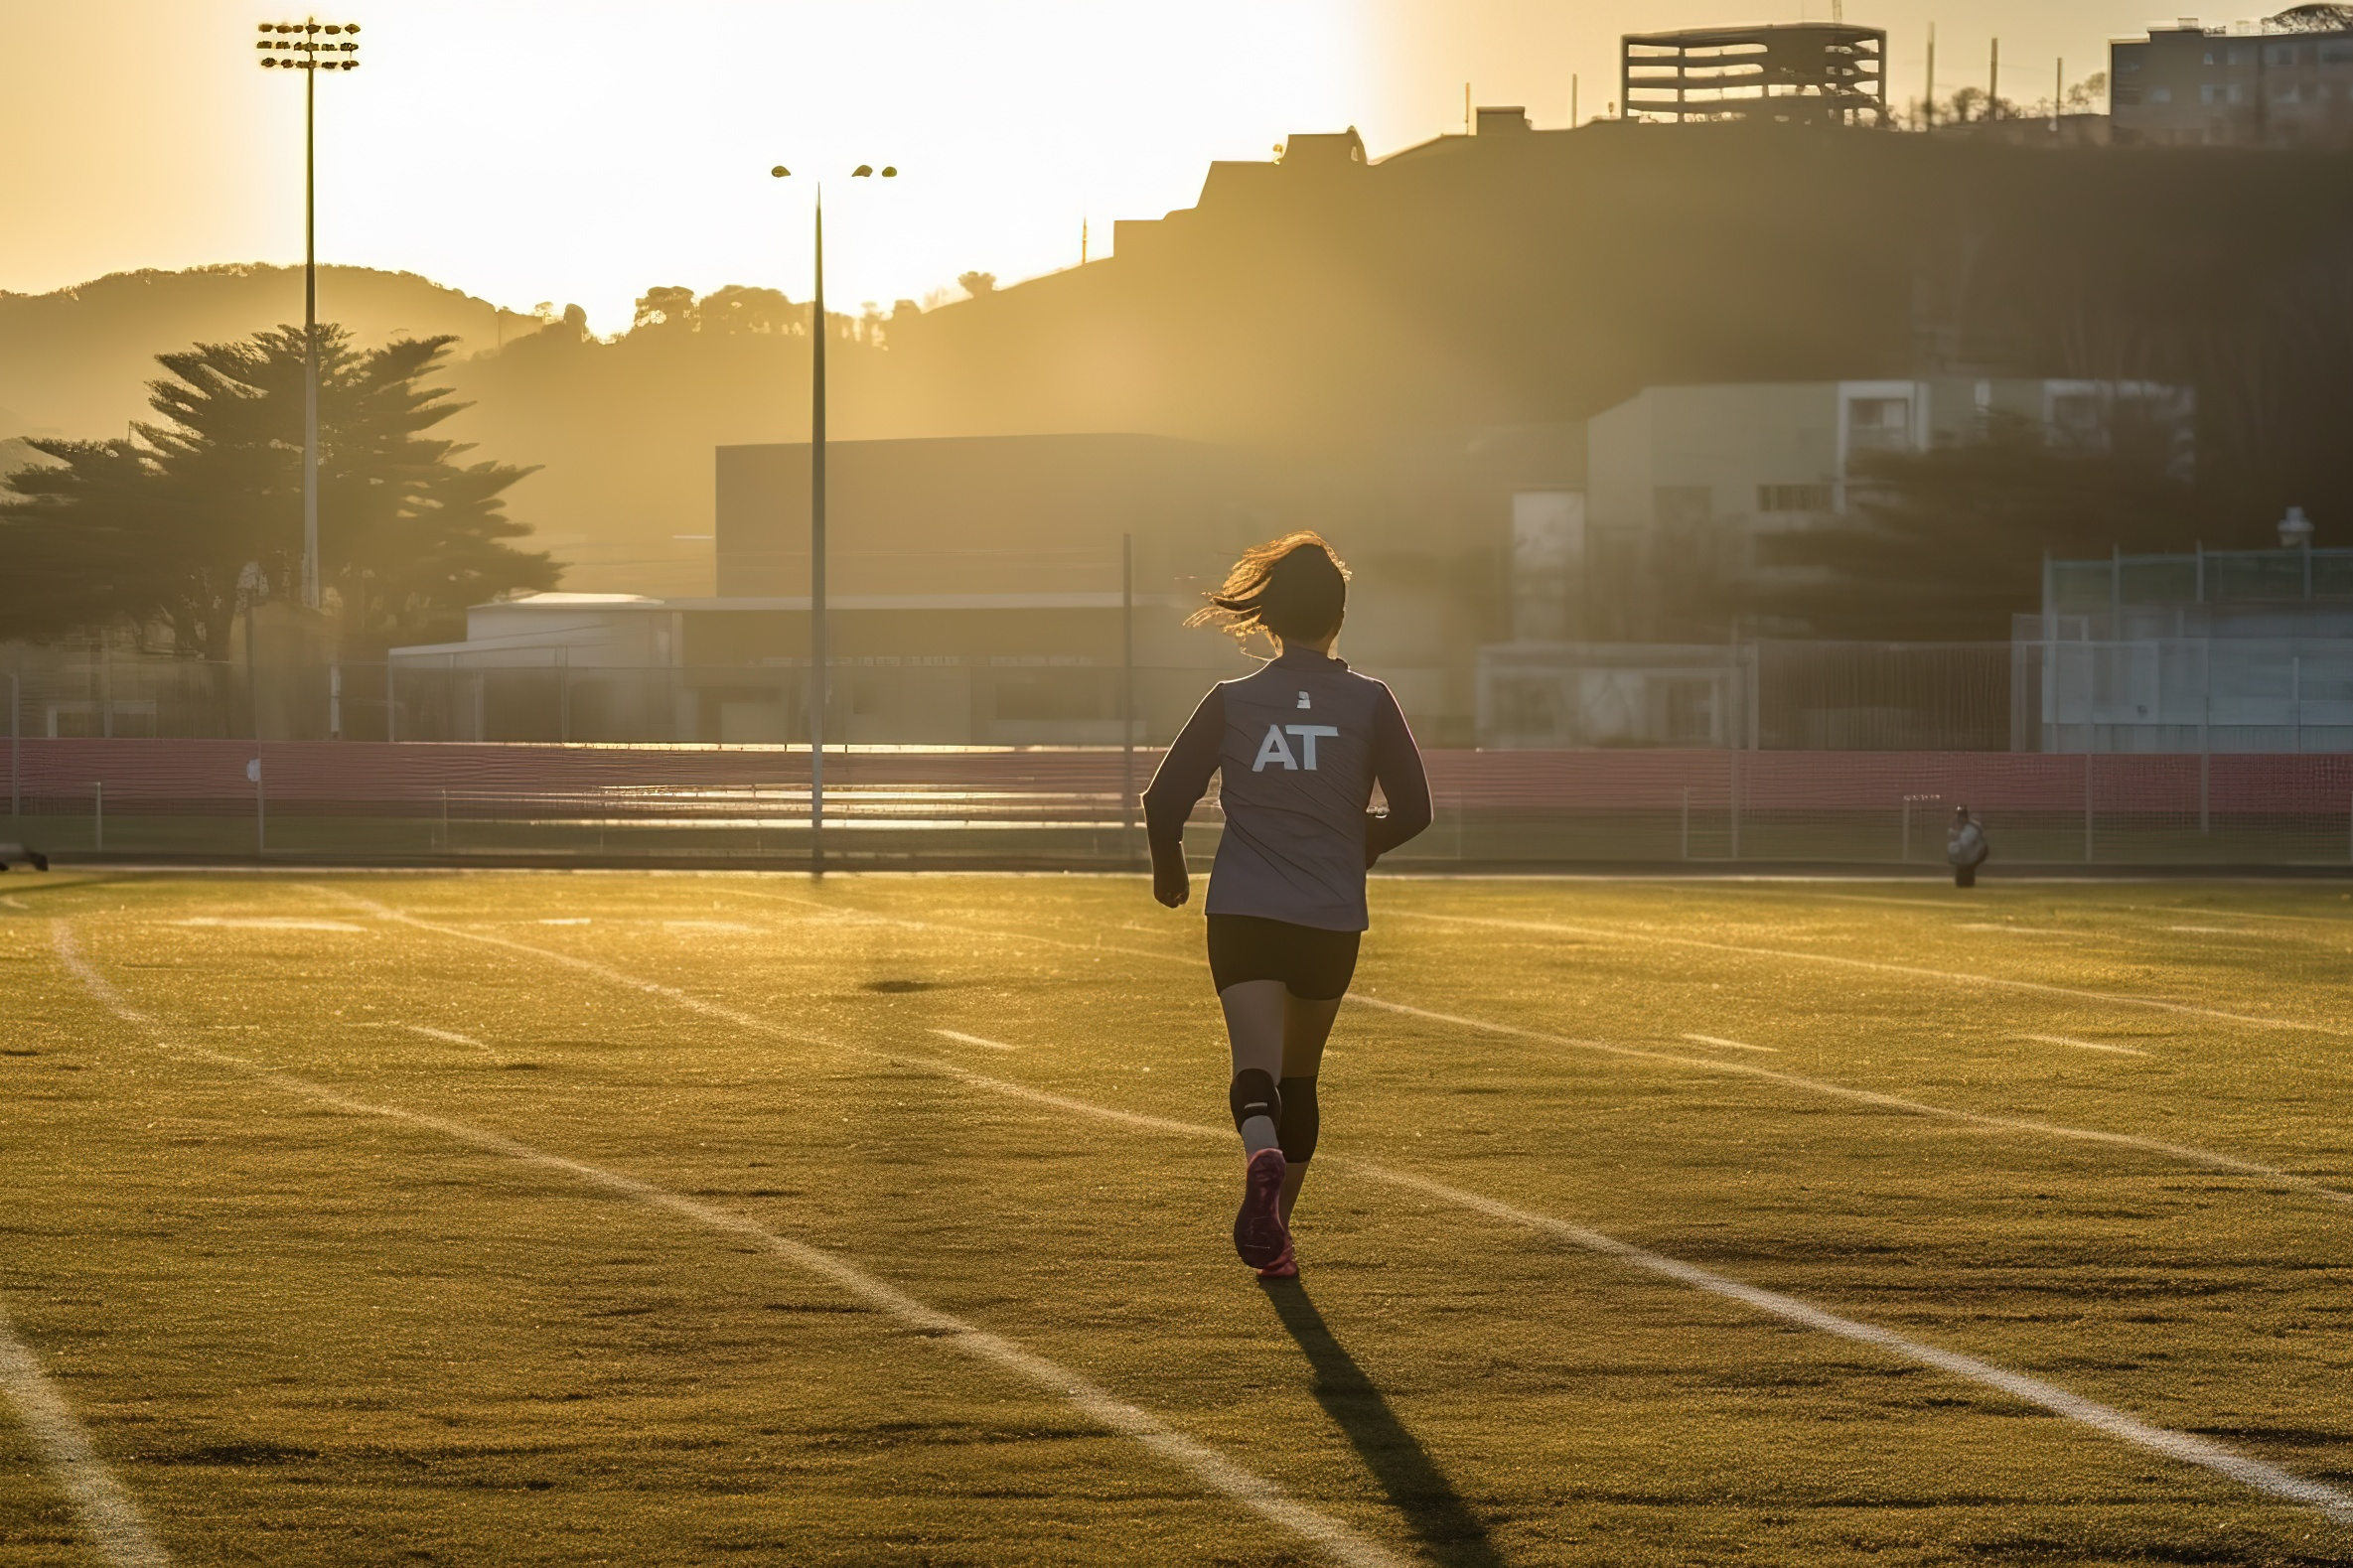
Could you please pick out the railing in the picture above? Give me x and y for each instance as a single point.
(1069, 807)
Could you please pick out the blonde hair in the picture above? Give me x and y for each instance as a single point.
(1294, 588)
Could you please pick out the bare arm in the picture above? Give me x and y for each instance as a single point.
(1178, 785)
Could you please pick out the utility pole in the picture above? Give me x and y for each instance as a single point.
(1572, 102)
(1928, 115)
(1993, 83)
(819, 680)
(310, 47)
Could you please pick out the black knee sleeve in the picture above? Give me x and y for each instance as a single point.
(1300, 1121)
(1253, 1094)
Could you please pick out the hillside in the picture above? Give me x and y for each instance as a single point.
(75, 361)
(1322, 302)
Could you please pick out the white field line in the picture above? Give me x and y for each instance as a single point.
(430, 1032)
(1197, 1459)
(16, 903)
(974, 1040)
(106, 1511)
(2212, 1159)
(2209, 1158)
(2084, 1045)
(2105, 998)
(2249, 1471)
(1732, 1045)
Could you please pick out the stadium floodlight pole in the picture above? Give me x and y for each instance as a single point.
(310, 45)
(819, 674)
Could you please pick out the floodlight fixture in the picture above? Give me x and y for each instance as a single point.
(310, 45)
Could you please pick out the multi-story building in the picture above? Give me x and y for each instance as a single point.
(1686, 483)
(2286, 80)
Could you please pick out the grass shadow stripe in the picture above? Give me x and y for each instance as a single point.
(2247, 1471)
(1204, 1464)
(2229, 1463)
(107, 1514)
(1915, 971)
(2210, 1159)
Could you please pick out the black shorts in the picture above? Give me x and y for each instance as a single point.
(1312, 963)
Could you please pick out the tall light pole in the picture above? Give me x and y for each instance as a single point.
(820, 675)
(310, 47)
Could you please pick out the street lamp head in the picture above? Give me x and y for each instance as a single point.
(780, 172)
(890, 171)
(861, 171)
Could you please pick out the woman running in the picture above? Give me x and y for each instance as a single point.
(1300, 745)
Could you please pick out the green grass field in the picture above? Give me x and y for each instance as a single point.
(642, 1218)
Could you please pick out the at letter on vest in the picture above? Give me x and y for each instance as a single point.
(1275, 749)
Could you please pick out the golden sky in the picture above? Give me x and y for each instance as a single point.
(583, 150)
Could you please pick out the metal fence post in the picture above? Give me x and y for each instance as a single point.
(99, 816)
(392, 709)
(1687, 824)
(1127, 694)
(335, 703)
(2087, 808)
(1736, 792)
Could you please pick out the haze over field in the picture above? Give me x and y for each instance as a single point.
(581, 152)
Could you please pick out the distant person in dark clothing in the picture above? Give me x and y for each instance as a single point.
(1966, 847)
(1299, 745)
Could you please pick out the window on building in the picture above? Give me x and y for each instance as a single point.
(2242, 54)
(2284, 93)
(1683, 505)
(2278, 54)
(1879, 424)
(2161, 95)
(2222, 92)
(2075, 418)
(2336, 54)
(1794, 498)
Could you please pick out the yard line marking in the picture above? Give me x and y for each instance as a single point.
(106, 1511)
(974, 1040)
(1197, 1459)
(2223, 1461)
(2249, 1471)
(272, 923)
(2212, 1159)
(2213, 930)
(430, 1032)
(1735, 1045)
(2111, 998)
(2084, 1045)
(16, 903)
(2209, 1158)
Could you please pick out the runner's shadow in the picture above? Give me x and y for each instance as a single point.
(1416, 1487)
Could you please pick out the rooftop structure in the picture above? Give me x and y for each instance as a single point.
(2284, 80)
(1816, 72)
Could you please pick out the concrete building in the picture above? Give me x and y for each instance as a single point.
(2215, 651)
(976, 598)
(1810, 72)
(2286, 80)
(1686, 484)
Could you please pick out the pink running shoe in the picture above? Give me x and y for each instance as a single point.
(1284, 1267)
(1258, 1234)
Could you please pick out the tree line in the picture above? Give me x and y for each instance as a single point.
(172, 532)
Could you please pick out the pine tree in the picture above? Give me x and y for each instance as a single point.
(182, 526)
